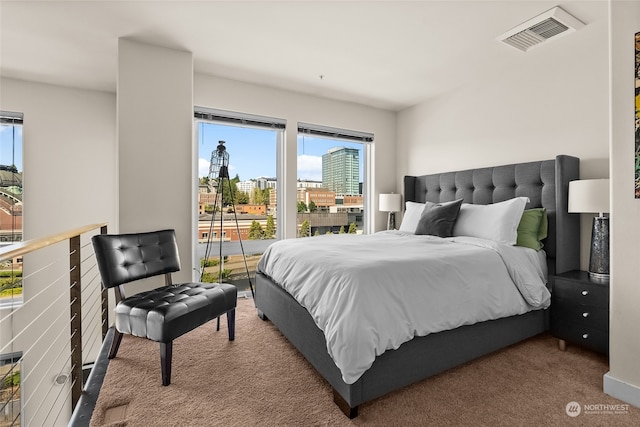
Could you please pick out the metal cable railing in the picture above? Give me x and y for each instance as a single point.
(52, 330)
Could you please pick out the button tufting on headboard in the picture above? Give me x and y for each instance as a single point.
(544, 182)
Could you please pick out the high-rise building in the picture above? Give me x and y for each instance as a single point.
(341, 171)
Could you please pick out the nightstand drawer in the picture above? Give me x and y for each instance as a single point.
(587, 316)
(591, 338)
(581, 294)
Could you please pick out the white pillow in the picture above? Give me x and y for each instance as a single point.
(497, 221)
(411, 216)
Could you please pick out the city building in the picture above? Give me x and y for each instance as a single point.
(321, 197)
(246, 186)
(251, 209)
(341, 171)
(232, 231)
(264, 182)
(206, 197)
(350, 201)
(305, 183)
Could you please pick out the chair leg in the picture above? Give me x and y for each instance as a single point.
(218, 325)
(231, 324)
(115, 344)
(166, 352)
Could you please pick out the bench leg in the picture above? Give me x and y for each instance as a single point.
(231, 323)
(115, 344)
(166, 352)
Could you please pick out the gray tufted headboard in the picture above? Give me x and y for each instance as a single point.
(545, 183)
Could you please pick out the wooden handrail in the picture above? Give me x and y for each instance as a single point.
(21, 248)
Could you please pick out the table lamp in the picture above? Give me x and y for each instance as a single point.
(592, 196)
(391, 203)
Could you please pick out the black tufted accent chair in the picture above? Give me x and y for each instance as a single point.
(162, 314)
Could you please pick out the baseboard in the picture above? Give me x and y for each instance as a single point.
(626, 392)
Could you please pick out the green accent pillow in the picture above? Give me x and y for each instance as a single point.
(532, 228)
(544, 225)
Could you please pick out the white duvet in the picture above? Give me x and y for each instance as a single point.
(371, 293)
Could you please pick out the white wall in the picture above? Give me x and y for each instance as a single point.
(623, 379)
(69, 155)
(155, 128)
(555, 101)
(219, 93)
(69, 162)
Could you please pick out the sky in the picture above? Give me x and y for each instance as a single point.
(7, 156)
(252, 152)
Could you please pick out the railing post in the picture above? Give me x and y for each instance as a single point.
(105, 299)
(75, 292)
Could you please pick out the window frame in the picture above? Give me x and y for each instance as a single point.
(367, 139)
(237, 120)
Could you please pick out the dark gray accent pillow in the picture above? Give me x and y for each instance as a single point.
(439, 219)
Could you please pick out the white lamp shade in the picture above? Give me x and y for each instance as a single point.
(589, 196)
(390, 202)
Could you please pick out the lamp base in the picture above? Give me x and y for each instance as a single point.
(599, 258)
(598, 277)
(391, 221)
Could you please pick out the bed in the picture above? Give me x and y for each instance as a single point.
(544, 183)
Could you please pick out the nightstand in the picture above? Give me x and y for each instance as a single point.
(580, 311)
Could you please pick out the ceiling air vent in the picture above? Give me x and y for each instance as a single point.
(547, 25)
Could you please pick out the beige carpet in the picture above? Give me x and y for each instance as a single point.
(260, 379)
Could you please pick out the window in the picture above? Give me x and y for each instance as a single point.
(10, 204)
(10, 389)
(237, 192)
(10, 177)
(331, 188)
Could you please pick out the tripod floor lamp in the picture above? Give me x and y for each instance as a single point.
(391, 203)
(592, 196)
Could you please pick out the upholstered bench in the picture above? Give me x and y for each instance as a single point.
(165, 313)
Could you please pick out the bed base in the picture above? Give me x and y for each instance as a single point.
(415, 360)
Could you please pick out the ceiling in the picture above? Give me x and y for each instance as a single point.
(387, 54)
